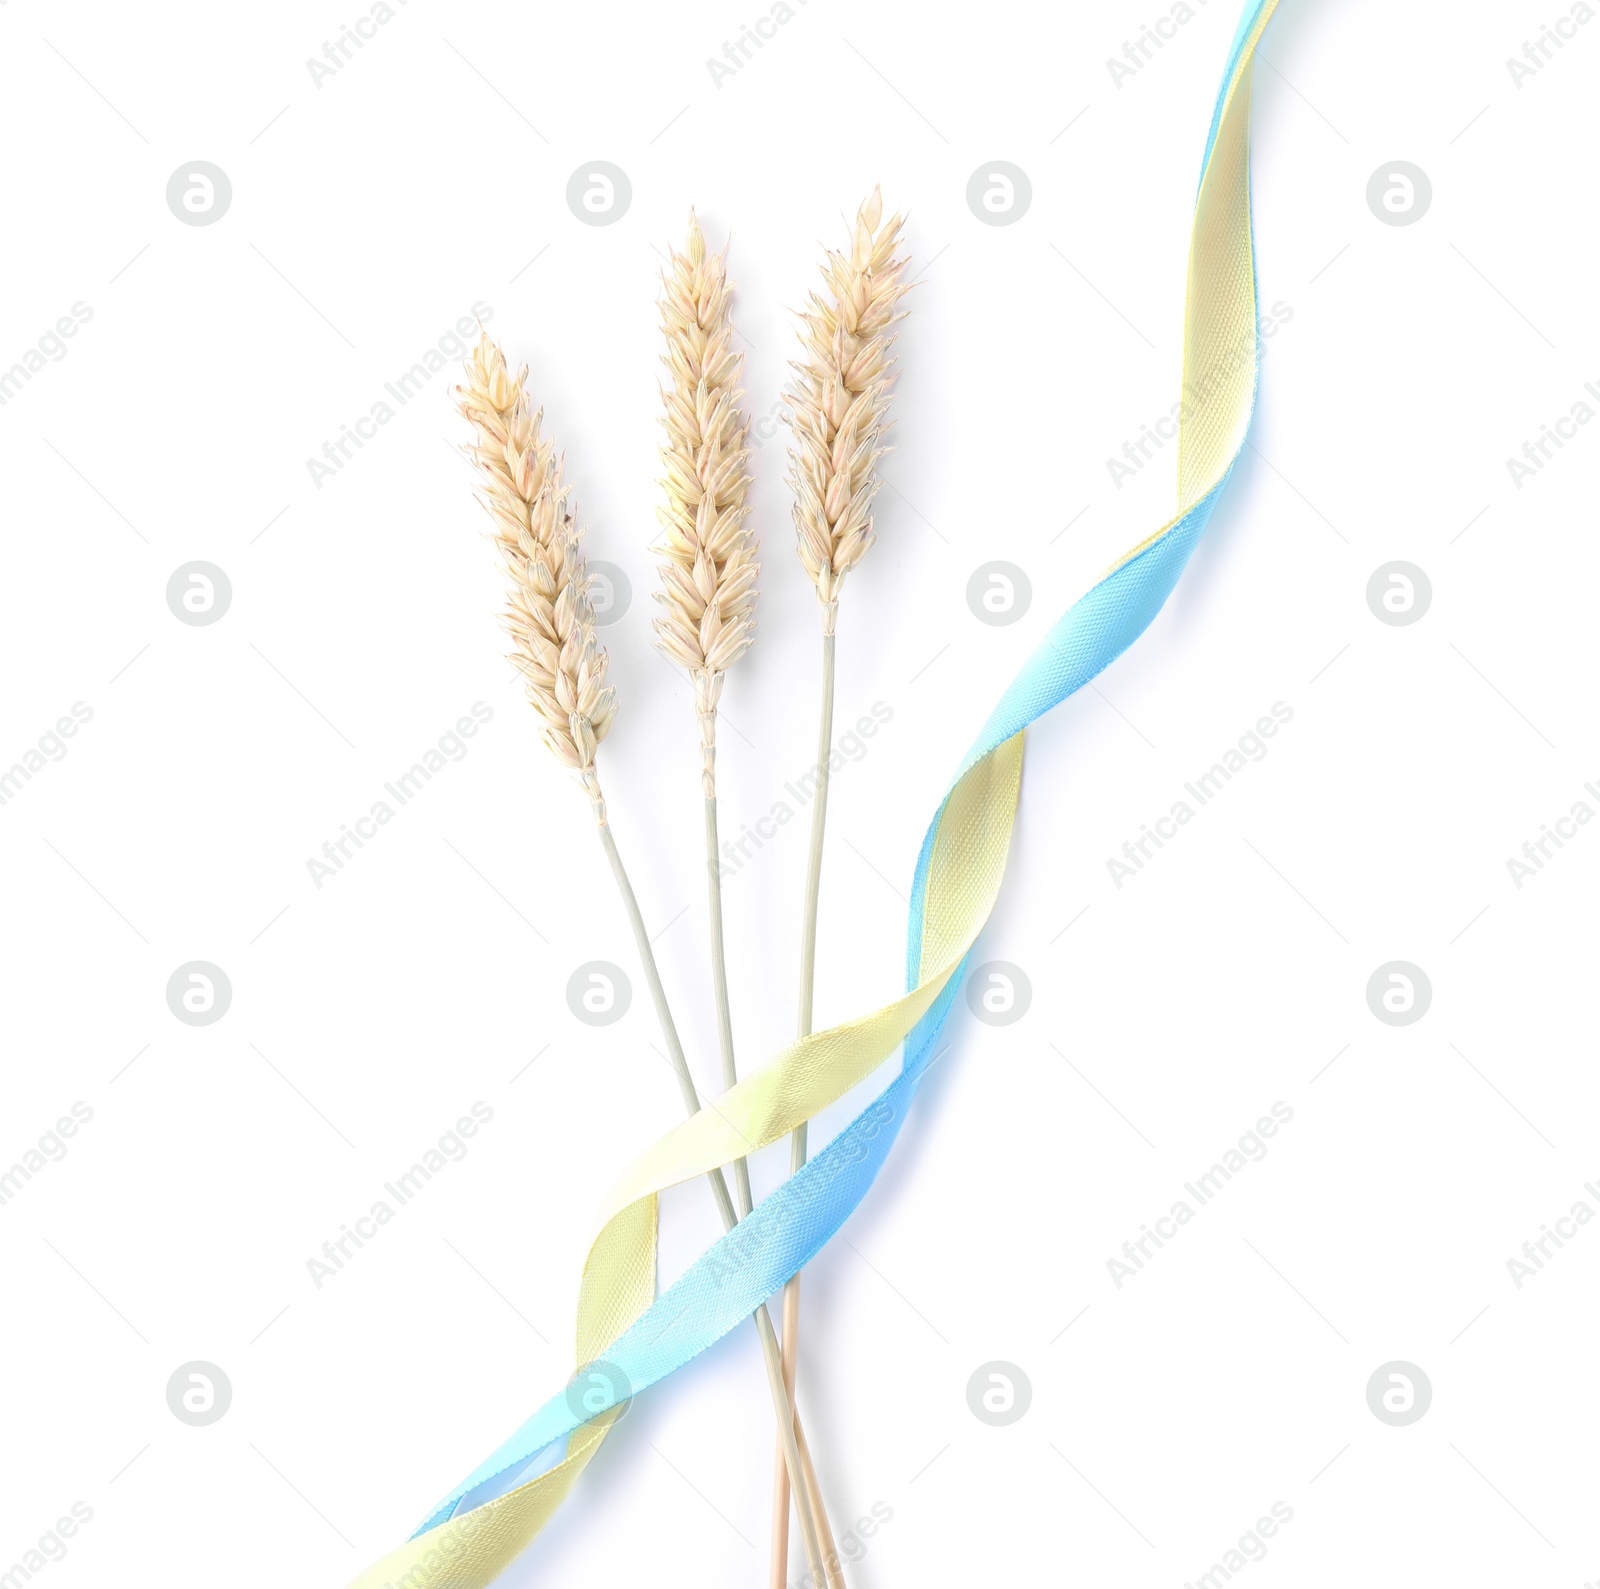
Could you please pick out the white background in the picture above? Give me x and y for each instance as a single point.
(368, 214)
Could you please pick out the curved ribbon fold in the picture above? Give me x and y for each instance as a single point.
(636, 1338)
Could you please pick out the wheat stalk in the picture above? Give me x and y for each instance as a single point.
(838, 411)
(708, 599)
(708, 576)
(551, 623)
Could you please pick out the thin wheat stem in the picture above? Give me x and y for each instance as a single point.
(719, 982)
(797, 1141)
(741, 1174)
(819, 822)
(787, 1421)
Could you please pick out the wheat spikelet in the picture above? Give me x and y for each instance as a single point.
(708, 580)
(549, 616)
(838, 405)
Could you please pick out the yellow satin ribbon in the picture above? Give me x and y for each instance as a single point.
(964, 879)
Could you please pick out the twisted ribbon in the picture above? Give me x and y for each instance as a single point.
(627, 1337)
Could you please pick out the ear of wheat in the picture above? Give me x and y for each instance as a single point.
(838, 405)
(548, 613)
(838, 411)
(708, 578)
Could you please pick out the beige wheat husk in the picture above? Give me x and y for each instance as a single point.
(549, 615)
(708, 578)
(838, 404)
